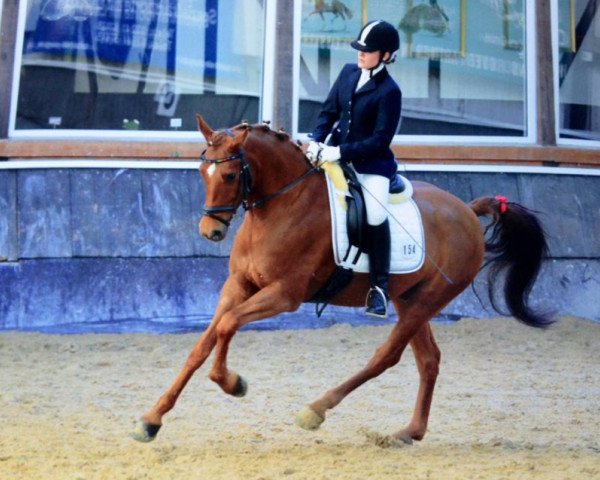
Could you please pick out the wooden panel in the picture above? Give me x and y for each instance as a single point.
(108, 218)
(108, 291)
(150, 213)
(529, 155)
(87, 149)
(140, 213)
(486, 184)
(170, 212)
(8, 216)
(569, 209)
(44, 214)
(525, 155)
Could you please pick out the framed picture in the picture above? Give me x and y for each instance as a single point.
(513, 22)
(434, 29)
(332, 21)
(566, 26)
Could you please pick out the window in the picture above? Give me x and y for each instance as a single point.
(579, 69)
(124, 65)
(462, 65)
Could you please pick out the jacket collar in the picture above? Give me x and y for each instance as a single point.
(371, 84)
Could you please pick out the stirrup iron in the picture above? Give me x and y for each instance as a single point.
(376, 303)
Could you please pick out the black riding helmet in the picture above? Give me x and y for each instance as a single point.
(378, 35)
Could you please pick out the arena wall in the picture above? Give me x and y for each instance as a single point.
(119, 250)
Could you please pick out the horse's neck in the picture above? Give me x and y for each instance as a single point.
(274, 164)
(274, 167)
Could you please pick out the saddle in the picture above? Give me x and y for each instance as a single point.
(352, 254)
(356, 219)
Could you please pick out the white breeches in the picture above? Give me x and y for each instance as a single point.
(376, 191)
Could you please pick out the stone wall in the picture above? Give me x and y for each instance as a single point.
(118, 249)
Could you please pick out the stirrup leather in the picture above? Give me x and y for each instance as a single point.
(376, 302)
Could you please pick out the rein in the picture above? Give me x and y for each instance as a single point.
(246, 187)
(259, 203)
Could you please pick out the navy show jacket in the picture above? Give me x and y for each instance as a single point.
(366, 120)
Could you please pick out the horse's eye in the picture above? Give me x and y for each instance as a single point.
(230, 177)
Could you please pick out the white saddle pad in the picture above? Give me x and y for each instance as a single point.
(406, 227)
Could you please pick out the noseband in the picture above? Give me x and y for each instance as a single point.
(246, 184)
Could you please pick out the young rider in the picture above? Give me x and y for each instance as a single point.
(362, 112)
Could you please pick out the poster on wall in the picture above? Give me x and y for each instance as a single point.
(332, 21)
(427, 28)
(433, 29)
(138, 45)
(128, 40)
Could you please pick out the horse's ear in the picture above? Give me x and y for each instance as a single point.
(238, 140)
(204, 128)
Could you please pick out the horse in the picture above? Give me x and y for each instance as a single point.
(337, 8)
(430, 17)
(282, 255)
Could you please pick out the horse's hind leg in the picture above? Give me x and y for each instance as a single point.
(427, 356)
(385, 357)
(414, 311)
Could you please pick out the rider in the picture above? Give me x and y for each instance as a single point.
(361, 113)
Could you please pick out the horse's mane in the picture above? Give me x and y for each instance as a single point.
(264, 131)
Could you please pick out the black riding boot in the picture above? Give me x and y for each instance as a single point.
(379, 267)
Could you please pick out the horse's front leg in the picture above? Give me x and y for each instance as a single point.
(233, 293)
(270, 301)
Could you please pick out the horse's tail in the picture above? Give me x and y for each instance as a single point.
(517, 245)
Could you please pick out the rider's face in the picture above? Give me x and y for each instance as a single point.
(369, 59)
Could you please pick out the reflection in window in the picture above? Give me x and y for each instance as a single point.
(461, 64)
(140, 64)
(579, 68)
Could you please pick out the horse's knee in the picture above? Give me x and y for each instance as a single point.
(227, 326)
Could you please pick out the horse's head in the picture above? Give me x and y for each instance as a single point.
(226, 178)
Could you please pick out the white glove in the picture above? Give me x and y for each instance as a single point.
(329, 154)
(313, 151)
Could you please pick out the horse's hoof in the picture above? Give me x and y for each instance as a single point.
(145, 432)
(408, 435)
(308, 419)
(388, 441)
(402, 439)
(241, 387)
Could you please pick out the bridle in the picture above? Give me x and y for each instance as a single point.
(244, 190)
(245, 187)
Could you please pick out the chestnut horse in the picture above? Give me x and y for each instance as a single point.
(282, 255)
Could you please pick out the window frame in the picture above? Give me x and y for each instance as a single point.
(265, 109)
(530, 100)
(562, 142)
